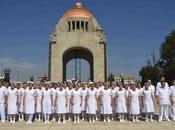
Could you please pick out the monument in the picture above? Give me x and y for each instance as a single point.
(77, 36)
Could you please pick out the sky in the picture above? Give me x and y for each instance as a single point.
(133, 28)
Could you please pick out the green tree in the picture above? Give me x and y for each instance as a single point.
(167, 55)
(150, 72)
(152, 69)
(111, 77)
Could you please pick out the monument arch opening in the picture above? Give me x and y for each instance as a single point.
(77, 53)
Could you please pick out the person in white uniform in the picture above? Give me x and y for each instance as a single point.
(148, 101)
(69, 105)
(29, 102)
(47, 102)
(172, 91)
(114, 89)
(38, 102)
(61, 102)
(98, 105)
(76, 101)
(134, 102)
(83, 106)
(121, 102)
(91, 102)
(12, 101)
(106, 102)
(163, 100)
(21, 101)
(2, 102)
(162, 79)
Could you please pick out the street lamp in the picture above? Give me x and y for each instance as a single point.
(122, 78)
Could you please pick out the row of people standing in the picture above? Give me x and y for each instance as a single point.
(86, 100)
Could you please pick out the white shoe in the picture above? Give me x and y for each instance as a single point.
(74, 121)
(82, 119)
(108, 120)
(48, 121)
(160, 120)
(137, 120)
(78, 121)
(13, 121)
(58, 122)
(146, 120)
(20, 119)
(93, 121)
(133, 120)
(152, 120)
(64, 121)
(2, 121)
(90, 121)
(168, 120)
(30, 122)
(45, 122)
(104, 121)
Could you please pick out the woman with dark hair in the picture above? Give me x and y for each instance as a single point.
(12, 101)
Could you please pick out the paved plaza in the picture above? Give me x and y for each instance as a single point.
(128, 125)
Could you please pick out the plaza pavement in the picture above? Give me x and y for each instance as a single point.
(113, 125)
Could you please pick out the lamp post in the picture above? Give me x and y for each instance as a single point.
(122, 78)
(7, 75)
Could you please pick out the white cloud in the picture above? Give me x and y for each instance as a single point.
(15, 64)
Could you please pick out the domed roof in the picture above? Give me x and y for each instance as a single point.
(78, 11)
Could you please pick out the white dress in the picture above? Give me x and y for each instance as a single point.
(39, 98)
(21, 97)
(106, 101)
(12, 100)
(134, 104)
(69, 105)
(113, 91)
(47, 103)
(53, 90)
(29, 101)
(121, 101)
(148, 102)
(61, 101)
(76, 100)
(91, 102)
(83, 93)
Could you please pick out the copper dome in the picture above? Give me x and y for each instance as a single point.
(78, 11)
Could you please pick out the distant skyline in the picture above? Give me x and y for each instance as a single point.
(133, 30)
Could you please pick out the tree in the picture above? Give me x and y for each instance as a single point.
(152, 70)
(167, 55)
(111, 77)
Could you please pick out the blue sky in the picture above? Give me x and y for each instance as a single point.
(133, 28)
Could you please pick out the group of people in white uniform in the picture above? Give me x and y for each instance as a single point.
(86, 101)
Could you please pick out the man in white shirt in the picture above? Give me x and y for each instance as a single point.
(162, 79)
(172, 91)
(2, 102)
(163, 100)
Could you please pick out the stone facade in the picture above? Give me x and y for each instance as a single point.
(86, 37)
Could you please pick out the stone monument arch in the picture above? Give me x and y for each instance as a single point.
(77, 35)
